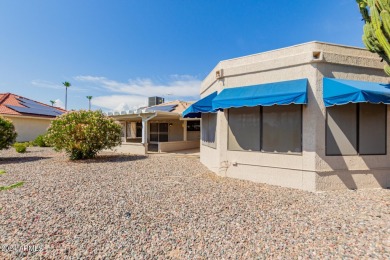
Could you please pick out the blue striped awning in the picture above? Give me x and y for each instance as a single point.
(278, 93)
(341, 91)
(201, 106)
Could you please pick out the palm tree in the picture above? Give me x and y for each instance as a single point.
(67, 85)
(89, 98)
(52, 102)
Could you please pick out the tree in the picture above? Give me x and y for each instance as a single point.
(7, 133)
(52, 102)
(376, 15)
(89, 101)
(67, 85)
(82, 134)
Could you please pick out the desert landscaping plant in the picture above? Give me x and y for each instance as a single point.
(40, 141)
(21, 147)
(376, 15)
(82, 134)
(7, 133)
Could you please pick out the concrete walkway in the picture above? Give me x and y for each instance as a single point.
(183, 153)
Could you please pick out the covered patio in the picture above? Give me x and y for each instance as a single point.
(158, 129)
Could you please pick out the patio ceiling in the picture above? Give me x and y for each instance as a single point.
(157, 115)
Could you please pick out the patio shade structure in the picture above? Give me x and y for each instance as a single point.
(277, 93)
(203, 105)
(341, 92)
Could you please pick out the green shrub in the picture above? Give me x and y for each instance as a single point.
(7, 133)
(82, 134)
(20, 147)
(40, 141)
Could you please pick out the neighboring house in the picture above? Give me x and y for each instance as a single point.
(159, 128)
(30, 118)
(313, 116)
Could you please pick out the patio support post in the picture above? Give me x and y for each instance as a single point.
(125, 132)
(144, 130)
(145, 120)
(185, 130)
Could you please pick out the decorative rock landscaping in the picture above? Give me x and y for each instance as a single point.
(159, 207)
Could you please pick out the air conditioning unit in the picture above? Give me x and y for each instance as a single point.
(219, 74)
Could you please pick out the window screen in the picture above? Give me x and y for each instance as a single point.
(209, 126)
(282, 129)
(372, 128)
(244, 129)
(341, 130)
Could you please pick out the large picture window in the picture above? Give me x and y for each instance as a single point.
(209, 127)
(353, 129)
(275, 129)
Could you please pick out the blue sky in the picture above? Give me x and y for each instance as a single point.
(122, 51)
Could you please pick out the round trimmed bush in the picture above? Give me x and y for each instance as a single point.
(82, 134)
(7, 133)
(20, 147)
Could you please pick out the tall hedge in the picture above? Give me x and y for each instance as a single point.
(7, 133)
(82, 134)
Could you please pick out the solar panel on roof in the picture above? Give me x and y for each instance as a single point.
(35, 111)
(33, 107)
(30, 103)
(167, 108)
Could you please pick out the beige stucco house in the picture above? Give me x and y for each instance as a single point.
(30, 118)
(159, 128)
(310, 116)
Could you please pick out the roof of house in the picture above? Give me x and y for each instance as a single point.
(11, 104)
(176, 106)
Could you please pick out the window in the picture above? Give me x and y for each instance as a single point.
(193, 125)
(276, 129)
(244, 129)
(159, 132)
(356, 129)
(133, 130)
(139, 129)
(282, 129)
(209, 126)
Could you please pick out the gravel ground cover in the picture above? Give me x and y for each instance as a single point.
(162, 207)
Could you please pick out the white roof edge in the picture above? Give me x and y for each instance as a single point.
(292, 46)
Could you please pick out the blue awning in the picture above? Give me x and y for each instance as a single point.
(201, 106)
(278, 93)
(341, 91)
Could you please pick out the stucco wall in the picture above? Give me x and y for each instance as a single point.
(311, 170)
(178, 145)
(193, 135)
(130, 148)
(29, 128)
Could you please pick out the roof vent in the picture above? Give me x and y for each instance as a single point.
(317, 56)
(219, 74)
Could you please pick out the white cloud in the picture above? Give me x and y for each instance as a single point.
(180, 86)
(119, 102)
(134, 92)
(47, 84)
(59, 103)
